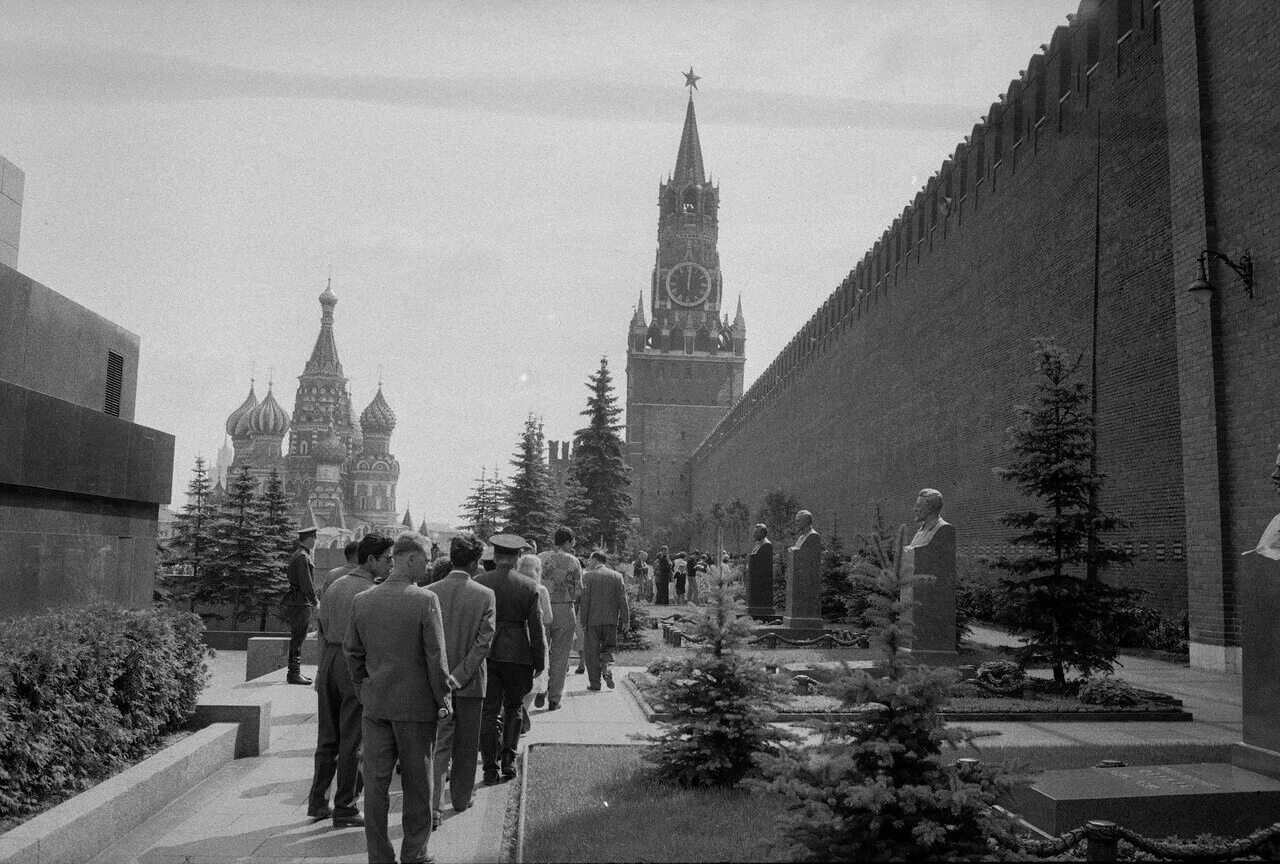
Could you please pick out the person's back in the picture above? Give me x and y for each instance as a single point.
(604, 597)
(515, 596)
(404, 663)
(604, 613)
(562, 574)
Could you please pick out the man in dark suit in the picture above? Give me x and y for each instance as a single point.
(397, 658)
(468, 609)
(519, 653)
(340, 718)
(299, 601)
(603, 612)
(663, 572)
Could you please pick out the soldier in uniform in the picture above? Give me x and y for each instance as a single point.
(517, 656)
(299, 601)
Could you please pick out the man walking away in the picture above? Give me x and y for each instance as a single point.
(352, 553)
(396, 654)
(562, 576)
(518, 654)
(604, 612)
(299, 601)
(468, 610)
(338, 739)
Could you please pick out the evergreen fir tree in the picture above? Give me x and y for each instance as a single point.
(189, 548)
(528, 494)
(877, 788)
(1065, 617)
(837, 593)
(722, 702)
(483, 507)
(281, 537)
(598, 465)
(240, 556)
(575, 510)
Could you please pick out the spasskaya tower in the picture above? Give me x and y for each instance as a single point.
(684, 365)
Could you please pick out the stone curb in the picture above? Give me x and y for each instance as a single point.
(80, 827)
(653, 715)
(250, 712)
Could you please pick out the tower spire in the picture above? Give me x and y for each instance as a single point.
(689, 158)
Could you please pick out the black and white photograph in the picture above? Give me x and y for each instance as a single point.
(666, 430)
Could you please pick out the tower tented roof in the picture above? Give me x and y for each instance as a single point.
(689, 158)
(378, 418)
(324, 357)
(238, 422)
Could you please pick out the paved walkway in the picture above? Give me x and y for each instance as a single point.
(254, 810)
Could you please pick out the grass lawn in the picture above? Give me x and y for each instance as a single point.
(595, 804)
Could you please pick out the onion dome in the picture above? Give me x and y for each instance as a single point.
(378, 418)
(268, 418)
(238, 422)
(330, 449)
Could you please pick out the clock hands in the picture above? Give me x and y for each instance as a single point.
(688, 284)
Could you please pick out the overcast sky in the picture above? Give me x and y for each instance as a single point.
(480, 177)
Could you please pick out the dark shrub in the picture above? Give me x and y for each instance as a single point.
(86, 691)
(641, 620)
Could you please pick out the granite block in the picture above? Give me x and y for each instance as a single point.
(252, 713)
(15, 297)
(1155, 800)
(266, 654)
(13, 421)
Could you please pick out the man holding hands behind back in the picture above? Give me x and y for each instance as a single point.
(468, 609)
(396, 654)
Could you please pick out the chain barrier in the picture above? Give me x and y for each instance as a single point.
(676, 636)
(1104, 837)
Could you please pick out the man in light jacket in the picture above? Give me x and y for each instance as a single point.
(603, 613)
(397, 658)
(468, 610)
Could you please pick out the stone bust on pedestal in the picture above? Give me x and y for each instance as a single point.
(760, 574)
(931, 556)
(804, 579)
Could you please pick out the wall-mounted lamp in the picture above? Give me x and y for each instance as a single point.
(1244, 269)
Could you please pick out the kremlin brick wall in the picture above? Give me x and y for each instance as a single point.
(906, 377)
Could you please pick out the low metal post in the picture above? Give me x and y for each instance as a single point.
(1102, 842)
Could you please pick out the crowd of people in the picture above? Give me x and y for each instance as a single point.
(429, 664)
(687, 572)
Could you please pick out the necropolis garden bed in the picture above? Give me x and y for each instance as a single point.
(1037, 704)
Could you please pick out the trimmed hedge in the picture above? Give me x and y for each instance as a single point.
(86, 692)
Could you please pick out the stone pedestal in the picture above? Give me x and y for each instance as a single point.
(1258, 590)
(760, 582)
(804, 585)
(934, 619)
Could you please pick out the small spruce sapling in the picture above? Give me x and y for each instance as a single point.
(722, 702)
(876, 788)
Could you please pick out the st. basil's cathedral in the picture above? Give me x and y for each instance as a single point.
(342, 474)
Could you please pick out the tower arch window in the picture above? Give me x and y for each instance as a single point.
(671, 202)
(690, 199)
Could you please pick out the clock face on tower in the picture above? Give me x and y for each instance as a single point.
(688, 284)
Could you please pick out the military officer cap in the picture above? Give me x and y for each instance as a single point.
(507, 544)
(304, 533)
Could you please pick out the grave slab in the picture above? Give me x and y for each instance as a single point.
(1155, 800)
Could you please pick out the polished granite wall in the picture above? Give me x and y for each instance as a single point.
(55, 346)
(79, 489)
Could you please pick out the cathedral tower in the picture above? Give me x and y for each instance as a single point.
(684, 364)
(376, 470)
